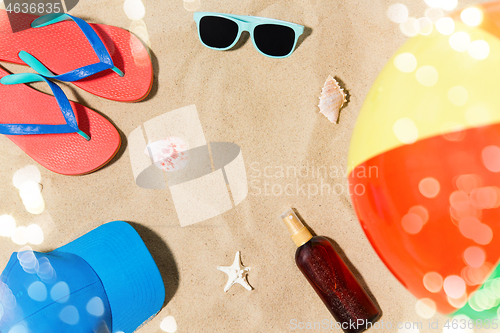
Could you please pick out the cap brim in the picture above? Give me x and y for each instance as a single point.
(127, 270)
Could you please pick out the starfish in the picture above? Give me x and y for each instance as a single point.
(236, 273)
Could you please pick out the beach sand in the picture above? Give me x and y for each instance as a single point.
(268, 107)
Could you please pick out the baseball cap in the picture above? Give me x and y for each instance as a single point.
(103, 282)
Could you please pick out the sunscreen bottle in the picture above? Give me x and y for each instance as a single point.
(331, 278)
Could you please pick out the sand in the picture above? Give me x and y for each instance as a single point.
(268, 108)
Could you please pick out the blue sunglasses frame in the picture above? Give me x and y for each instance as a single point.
(248, 23)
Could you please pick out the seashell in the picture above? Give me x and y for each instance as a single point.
(331, 100)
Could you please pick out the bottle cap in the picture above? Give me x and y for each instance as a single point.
(300, 234)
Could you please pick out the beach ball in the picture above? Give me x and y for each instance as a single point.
(424, 164)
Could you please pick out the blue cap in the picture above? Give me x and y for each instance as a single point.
(105, 281)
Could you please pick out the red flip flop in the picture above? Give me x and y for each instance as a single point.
(63, 47)
(79, 141)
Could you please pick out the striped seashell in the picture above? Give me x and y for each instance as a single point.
(331, 100)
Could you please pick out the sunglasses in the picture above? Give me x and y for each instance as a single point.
(272, 38)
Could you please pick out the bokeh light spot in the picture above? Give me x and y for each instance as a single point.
(95, 307)
(405, 62)
(7, 299)
(485, 197)
(479, 49)
(445, 25)
(19, 237)
(425, 308)
(459, 200)
(412, 223)
(458, 303)
(464, 212)
(134, 9)
(25, 255)
(474, 276)
(495, 287)
(397, 13)
(60, 292)
(37, 291)
(168, 324)
(429, 187)
(192, 5)
(472, 16)
(405, 130)
(409, 27)
(29, 263)
(453, 131)
(482, 300)
(458, 95)
(7, 225)
(433, 282)
(30, 192)
(424, 26)
(34, 234)
(454, 286)
(459, 41)
(483, 234)
(427, 76)
(468, 182)
(420, 211)
(449, 5)
(45, 271)
(434, 14)
(469, 226)
(473, 303)
(139, 29)
(491, 158)
(18, 329)
(474, 256)
(69, 315)
(28, 173)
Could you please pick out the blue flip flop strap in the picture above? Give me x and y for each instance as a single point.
(71, 125)
(105, 60)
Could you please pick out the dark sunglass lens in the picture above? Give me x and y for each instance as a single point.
(274, 40)
(217, 32)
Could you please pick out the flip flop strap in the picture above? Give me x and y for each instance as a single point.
(71, 125)
(105, 60)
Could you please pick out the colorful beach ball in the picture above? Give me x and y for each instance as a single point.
(424, 164)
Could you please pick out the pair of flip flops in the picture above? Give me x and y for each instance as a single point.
(63, 136)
